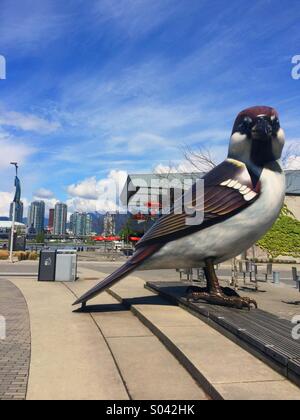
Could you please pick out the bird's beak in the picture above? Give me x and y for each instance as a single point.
(262, 130)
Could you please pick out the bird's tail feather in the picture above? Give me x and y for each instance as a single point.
(119, 274)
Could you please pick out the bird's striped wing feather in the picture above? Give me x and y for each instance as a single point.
(227, 189)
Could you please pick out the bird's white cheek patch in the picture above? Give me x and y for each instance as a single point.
(281, 135)
(237, 138)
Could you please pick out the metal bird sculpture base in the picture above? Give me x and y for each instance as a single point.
(217, 295)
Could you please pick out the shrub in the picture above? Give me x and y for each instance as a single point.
(33, 256)
(284, 237)
(20, 255)
(4, 255)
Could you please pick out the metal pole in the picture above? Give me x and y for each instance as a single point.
(15, 164)
(12, 233)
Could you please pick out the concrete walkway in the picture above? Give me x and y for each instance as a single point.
(69, 359)
(110, 355)
(223, 368)
(143, 348)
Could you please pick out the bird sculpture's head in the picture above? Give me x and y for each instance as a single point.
(257, 137)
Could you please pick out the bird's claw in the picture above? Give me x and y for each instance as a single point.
(221, 299)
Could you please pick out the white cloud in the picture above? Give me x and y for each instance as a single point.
(5, 200)
(12, 150)
(27, 122)
(102, 204)
(134, 17)
(139, 144)
(293, 163)
(86, 189)
(43, 193)
(30, 25)
(97, 195)
(182, 167)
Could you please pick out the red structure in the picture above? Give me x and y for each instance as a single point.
(51, 220)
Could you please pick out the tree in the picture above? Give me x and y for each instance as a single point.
(290, 155)
(201, 159)
(40, 238)
(127, 231)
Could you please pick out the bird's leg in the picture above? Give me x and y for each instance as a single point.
(216, 294)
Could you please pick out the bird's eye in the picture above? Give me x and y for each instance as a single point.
(248, 121)
(275, 125)
(246, 125)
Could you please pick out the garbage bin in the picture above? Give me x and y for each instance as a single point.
(276, 277)
(47, 265)
(66, 265)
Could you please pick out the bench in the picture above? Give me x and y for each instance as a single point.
(247, 268)
(192, 274)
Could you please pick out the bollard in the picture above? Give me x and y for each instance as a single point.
(276, 277)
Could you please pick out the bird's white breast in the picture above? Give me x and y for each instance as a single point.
(229, 238)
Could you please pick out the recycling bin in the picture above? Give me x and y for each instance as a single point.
(47, 265)
(66, 265)
(276, 277)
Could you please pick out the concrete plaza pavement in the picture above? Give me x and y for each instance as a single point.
(108, 355)
(225, 370)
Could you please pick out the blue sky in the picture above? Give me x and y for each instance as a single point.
(99, 88)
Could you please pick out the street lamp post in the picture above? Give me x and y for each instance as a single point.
(15, 164)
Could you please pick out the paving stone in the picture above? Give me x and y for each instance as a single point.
(15, 349)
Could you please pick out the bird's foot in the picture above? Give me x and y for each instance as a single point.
(226, 297)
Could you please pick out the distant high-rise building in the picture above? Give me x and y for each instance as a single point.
(109, 225)
(18, 212)
(36, 216)
(60, 219)
(81, 224)
(51, 220)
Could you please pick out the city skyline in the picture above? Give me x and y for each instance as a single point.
(137, 82)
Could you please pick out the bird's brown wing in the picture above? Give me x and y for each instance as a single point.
(228, 189)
